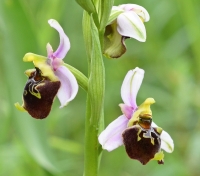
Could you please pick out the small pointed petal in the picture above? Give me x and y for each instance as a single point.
(131, 85)
(126, 110)
(69, 85)
(111, 137)
(49, 50)
(167, 143)
(141, 11)
(64, 45)
(130, 25)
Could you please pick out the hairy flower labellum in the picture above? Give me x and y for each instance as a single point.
(141, 144)
(39, 93)
(142, 141)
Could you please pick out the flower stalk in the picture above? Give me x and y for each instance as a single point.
(93, 36)
(95, 101)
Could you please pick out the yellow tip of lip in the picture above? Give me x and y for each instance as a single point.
(159, 156)
(19, 107)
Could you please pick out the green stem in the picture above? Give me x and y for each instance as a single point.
(93, 30)
(80, 77)
(91, 145)
(95, 103)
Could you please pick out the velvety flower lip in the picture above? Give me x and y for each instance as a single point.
(142, 144)
(125, 21)
(136, 121)
(51, 69)
(39, 93)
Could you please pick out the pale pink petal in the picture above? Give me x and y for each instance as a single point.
(64, 45)
(167, 143)
(127, 110)
(131, 86)
(111, 137)
(69, 85)
(130, 25)
(141, 11)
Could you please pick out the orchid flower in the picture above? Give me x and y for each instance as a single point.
(125, 21)
(142, 138)
(49, 78)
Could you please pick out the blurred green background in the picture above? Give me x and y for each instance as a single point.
(54, 146)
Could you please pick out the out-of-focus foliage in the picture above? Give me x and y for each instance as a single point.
(54, 146)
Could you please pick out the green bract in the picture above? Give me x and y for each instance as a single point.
(87, 5)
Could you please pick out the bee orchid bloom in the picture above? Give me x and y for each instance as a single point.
(142, 138)
(49, 78)
(125, 21)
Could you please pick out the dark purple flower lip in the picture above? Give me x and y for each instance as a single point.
(39, 93)
(141, 144)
